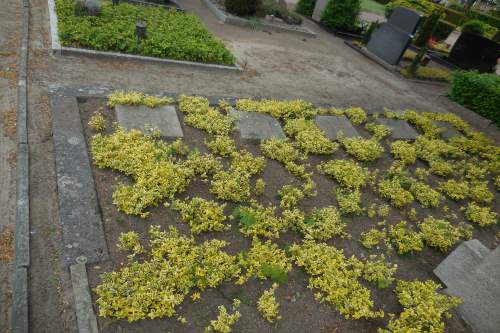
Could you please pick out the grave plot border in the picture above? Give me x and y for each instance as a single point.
(243, 22)
(59, 50)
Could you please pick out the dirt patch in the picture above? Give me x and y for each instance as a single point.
(9, 123)
(7, 244)
(300, 311)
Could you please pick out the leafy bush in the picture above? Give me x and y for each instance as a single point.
(427, 29)
(171, 34)
(443, 30)
(242, 7)
(305, 7)
(279, 9)
(341, 14)
(268, 306)
(473, 27)
(479, 92)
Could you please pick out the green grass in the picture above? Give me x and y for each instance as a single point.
(170, 34)
(372, 7)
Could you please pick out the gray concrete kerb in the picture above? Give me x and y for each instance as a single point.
(85, 316)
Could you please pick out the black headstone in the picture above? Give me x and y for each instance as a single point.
(389, 43)
(473, 51)
(405, 19)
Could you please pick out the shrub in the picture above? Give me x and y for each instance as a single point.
(202, 215)
(479, 92)
(439, 234)
(305, 7)
(404, 239)
(349, 201)
(365, 150)
(171, 34)
(309, 137)
(483, 216)
(279, 9)
(404, 151)
(268, 306)
(242, 7)
(323, 224)
(473, 27)
(225, 321)
(346, 172)
(428, 28)
(341, 14)
(97, 122)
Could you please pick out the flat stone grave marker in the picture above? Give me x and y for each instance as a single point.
(333, 125)
(164, 118)
(257, 126)
(401, 130)
(472, 272)
(449, 130)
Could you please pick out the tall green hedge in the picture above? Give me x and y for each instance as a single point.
(305, 7)
(341, 14)
(478, 92)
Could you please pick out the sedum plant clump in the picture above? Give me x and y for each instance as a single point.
(309, 137)
(404, 239)
(202, 215)
(357, 116)
(281, 150)
(365, 150)
(154, 287)
(129, 242)
(423, 308)
(288, 109)
(455, 190)
(221, 145)
(199, 114)
(377, 270)
(97, 122)
(137, 98)
(379, 131)
(337, 279)
(264, 260)
(347, 173)
(234, 184)
(257, 220)
(392, 190)
(404, 151)
(150, 163)
(268, 306)
(439, 233)
(425, 194)
(225, 321)
(322, 224)
(349, 201)
(290, 196)
(480, 193)
(482, 216)
(373, 237)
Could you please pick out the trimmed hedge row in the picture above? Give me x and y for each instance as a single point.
(478, 92)
(305, 7)
(170, 34)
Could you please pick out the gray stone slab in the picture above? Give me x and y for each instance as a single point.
(257, 126)
(22, 239)
(85, 316)
(389, 43)
(401, 130)
(333, 125)
(19, 316)
(78, 206)
(163, 118)
(472, 272)
(449, 130)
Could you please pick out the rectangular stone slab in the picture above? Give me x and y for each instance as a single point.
(333, 125)
(164, 118)
(401, 130)
(257, 126)
(405, 19)
(449, 130)
(79, 213)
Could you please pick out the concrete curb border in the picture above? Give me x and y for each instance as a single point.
(20, 284)
(59, 50)
(235, 20)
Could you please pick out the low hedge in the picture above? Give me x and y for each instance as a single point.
(170, 34)
(453, 16)
(478, 92)
(443, 30)
(485, 18)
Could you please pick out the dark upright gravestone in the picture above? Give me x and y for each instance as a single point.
(391, 39)
(473, 51)
(405, 19)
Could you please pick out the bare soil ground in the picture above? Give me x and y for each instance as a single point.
(301, 313)
(279, 65)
